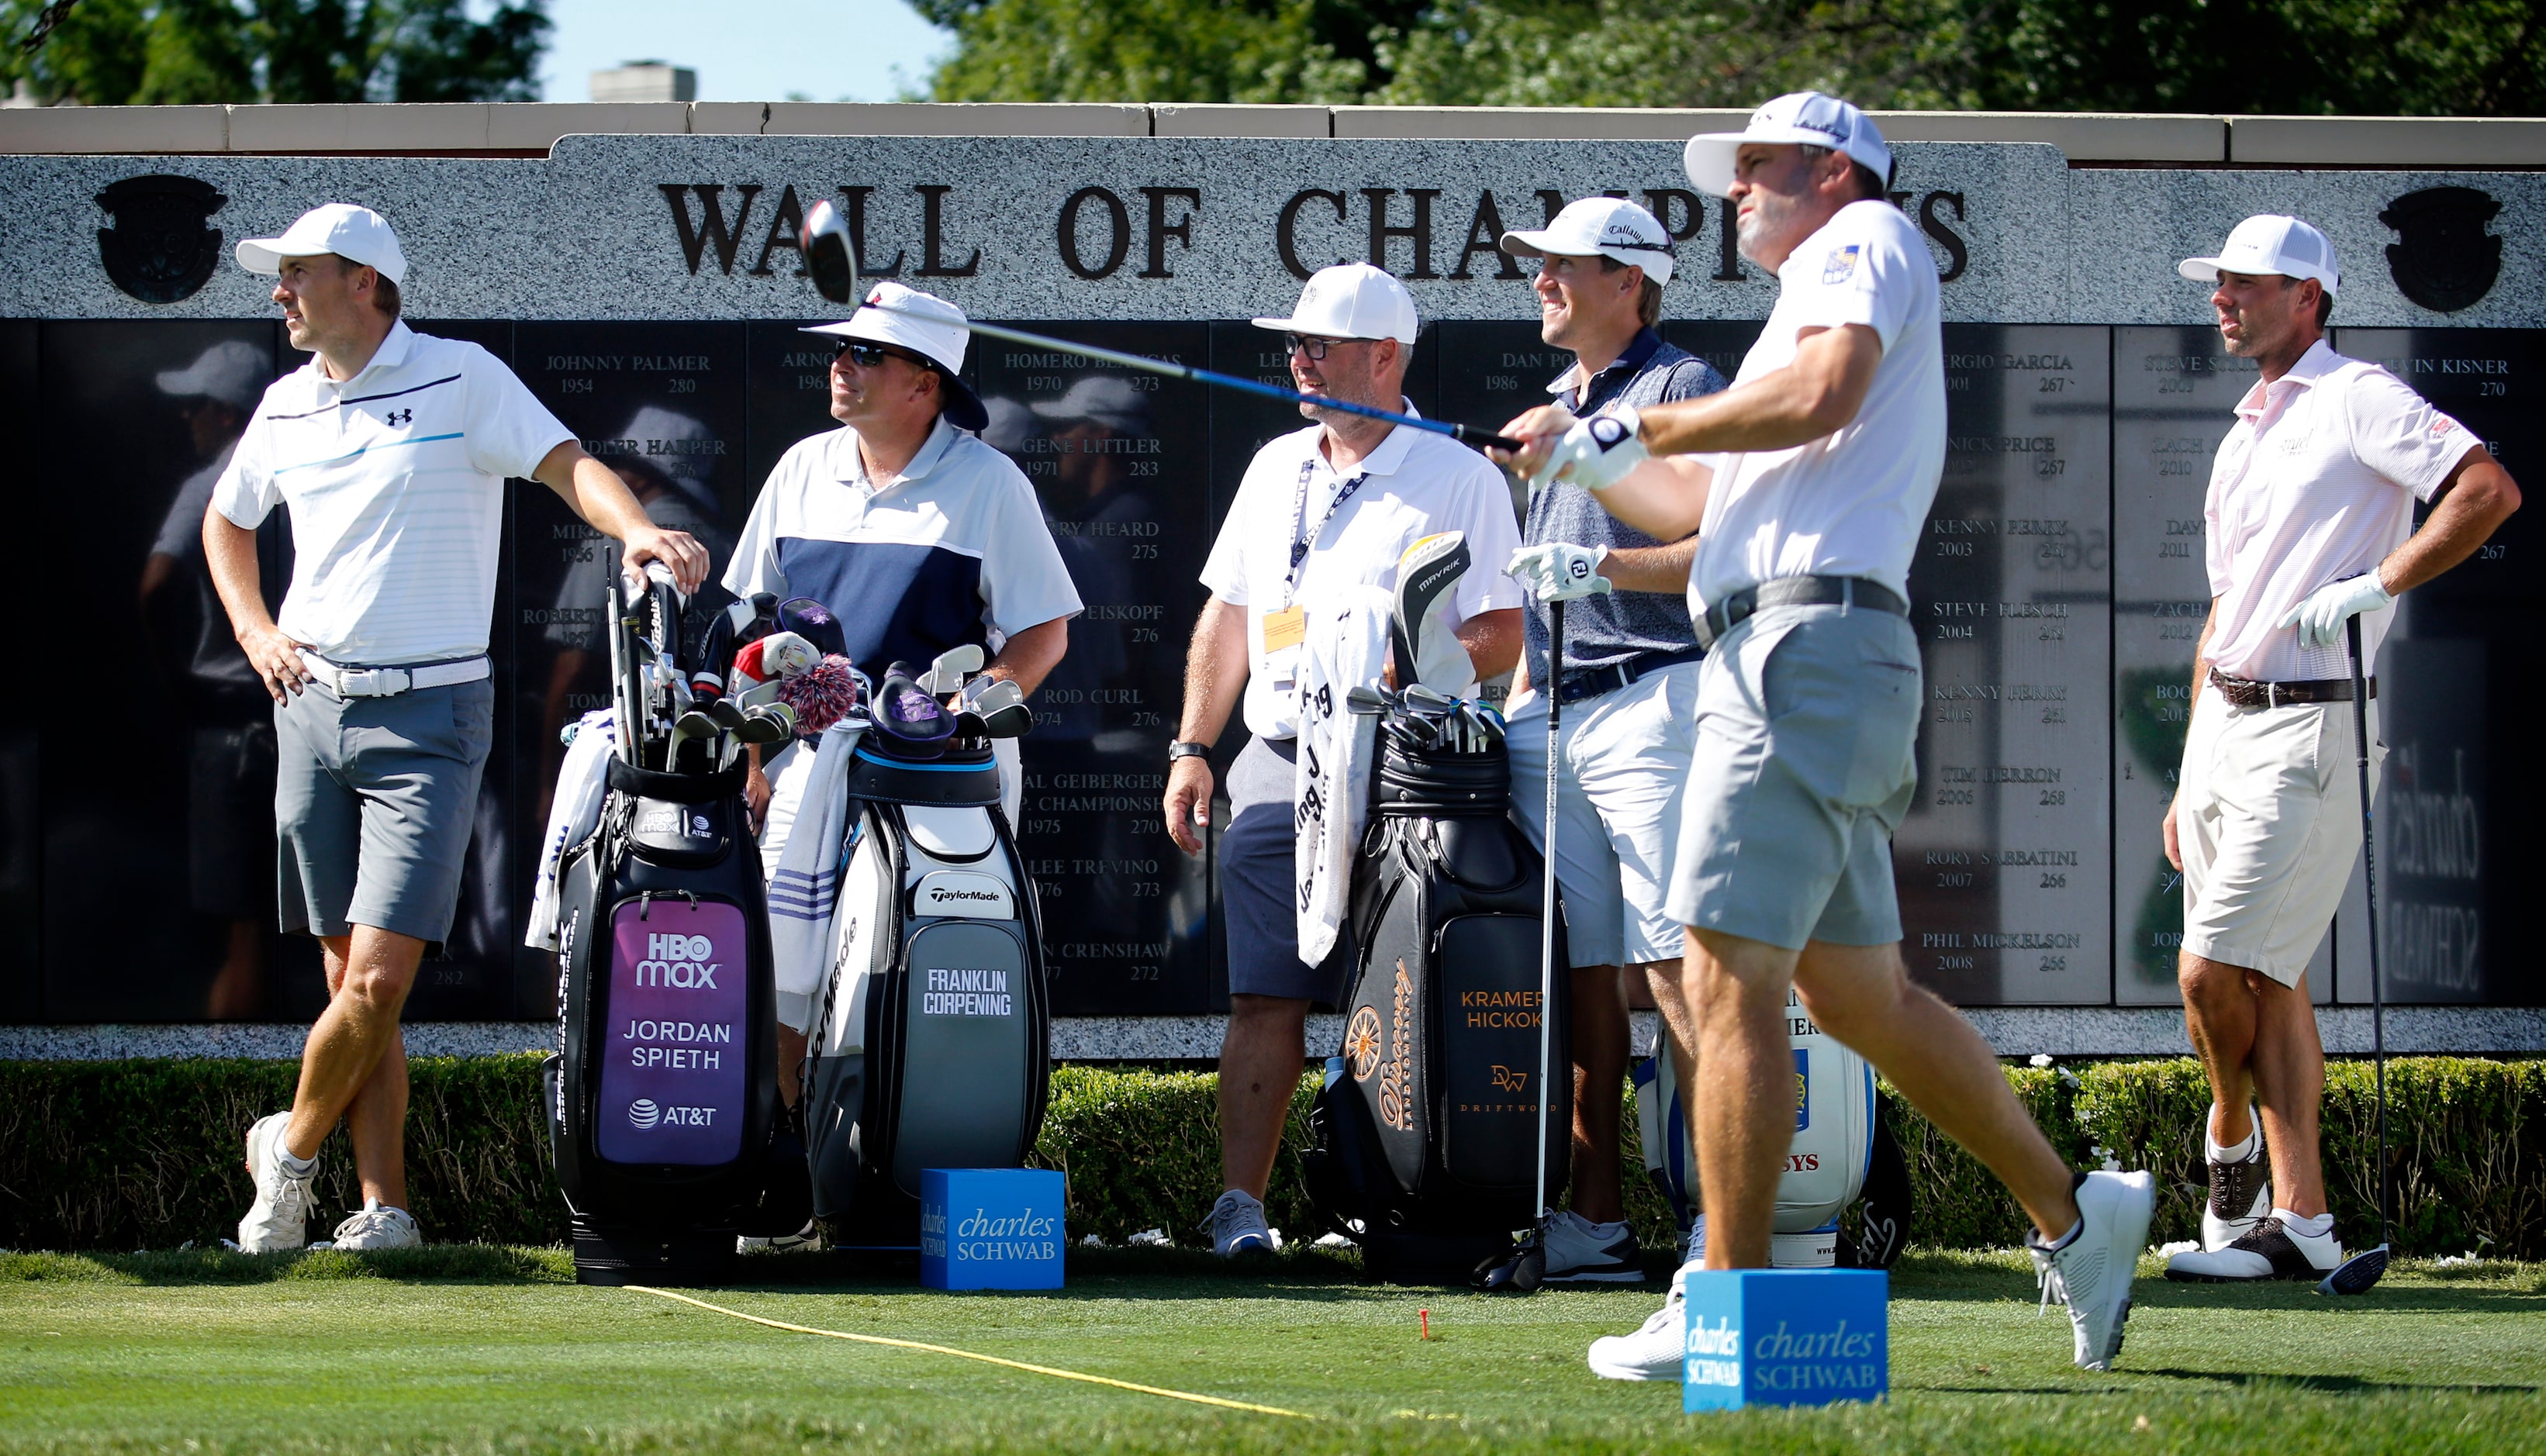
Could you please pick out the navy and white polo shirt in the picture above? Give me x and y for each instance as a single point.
(953, 551)
(396, 481)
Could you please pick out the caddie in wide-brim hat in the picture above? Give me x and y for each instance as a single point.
(927, 331)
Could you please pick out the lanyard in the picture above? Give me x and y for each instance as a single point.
(1308, 536)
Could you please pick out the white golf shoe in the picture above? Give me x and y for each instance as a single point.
(2271, 1250)
(1657, 1350)
(2090, 1270)
(378, 1226)
(2240, 1195)
(1236, 1226)
(279, 1219)
(1578, 1255)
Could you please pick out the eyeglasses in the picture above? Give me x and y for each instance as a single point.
(868, 355)
(1315, 348)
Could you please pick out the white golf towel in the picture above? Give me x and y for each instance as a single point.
(1346, 647)
(572, 816)
(805, 885)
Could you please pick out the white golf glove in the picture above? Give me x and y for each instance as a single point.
(2321, 616)
(1600, 449)
(1559, 571)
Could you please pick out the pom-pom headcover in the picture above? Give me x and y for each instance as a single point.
(823, 695)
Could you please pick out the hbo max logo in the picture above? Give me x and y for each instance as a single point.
(679, 961)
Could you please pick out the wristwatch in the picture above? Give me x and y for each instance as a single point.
(1186, 749)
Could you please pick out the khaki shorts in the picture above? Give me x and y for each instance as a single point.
(1625, 765)
(2267, 818)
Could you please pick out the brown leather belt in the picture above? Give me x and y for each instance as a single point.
(2246, 692)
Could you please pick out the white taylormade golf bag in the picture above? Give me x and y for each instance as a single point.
(931, 1042)
(1841, 1151)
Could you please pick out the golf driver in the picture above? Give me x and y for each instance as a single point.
(2360, 1272)
(1526, 1268)
(831, 258)
(1429, 568)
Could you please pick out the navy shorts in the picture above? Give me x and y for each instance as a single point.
(1258, 856)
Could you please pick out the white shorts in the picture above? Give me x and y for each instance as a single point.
(794, 765)
(2267, 817)
(1625, 762)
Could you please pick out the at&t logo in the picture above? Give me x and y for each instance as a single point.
(643, 1114)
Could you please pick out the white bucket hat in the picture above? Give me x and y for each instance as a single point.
(1351, 301)
(355, 234)
(1605, 228)
(925, 325)
(1796, 119)
(2266, 244)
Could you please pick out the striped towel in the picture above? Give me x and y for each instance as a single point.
(804, 887)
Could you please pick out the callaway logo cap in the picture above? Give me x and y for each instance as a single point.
(1606, 227)
(2268, 244)
(357, 234)
(925, 325)
(1351, 301)
(1798, 118)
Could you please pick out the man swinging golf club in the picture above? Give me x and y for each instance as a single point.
(1827, 454)
(2308, 525)
(391, 448)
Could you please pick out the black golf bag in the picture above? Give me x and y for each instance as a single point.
(662, 1097)
(931, 1045)
(1425, 1136)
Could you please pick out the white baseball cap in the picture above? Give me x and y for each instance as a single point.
(1796, 119)
(1351, 301)
(355, 234)
(922, 324)
(1109, 400)
(232, 371)
(1605, 228)
(2266, 244)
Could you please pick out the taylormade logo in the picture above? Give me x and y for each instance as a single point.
(947, 895)
(679, 961)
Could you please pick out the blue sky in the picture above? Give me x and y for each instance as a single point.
(746, 49)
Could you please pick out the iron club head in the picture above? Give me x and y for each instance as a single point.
(1366, 702)
(1520, 1271)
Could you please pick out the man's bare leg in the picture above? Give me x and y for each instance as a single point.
(1600, 1036)
(790, 1055)
(2258, 1038)
(1862, 996)
(1260, 1059)
(369, 975)
(1679, 1023)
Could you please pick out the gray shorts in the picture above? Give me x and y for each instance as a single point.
(1807, 722)
(373, 798)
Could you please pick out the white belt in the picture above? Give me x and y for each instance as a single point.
(391, 682)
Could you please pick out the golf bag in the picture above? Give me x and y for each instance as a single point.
(931, 1045)
(662, 1097)
(1423, 1140)
(1844, 1149)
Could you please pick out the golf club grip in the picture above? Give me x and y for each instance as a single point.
(2369, 897)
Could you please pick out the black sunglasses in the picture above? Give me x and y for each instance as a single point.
(867, 355)
(1315, 348)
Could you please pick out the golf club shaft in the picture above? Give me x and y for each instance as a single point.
(1547, 910)
(1466, 434)
(2369, 884)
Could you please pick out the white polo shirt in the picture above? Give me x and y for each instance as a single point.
(395, 482)
(1853, 502)
(2315, 484)
(953, 550)
(1416, 483)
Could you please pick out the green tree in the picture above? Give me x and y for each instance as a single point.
(104, 52)
(1192, 51)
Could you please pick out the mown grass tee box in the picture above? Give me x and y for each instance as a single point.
(990, 1228)
(1786, 1337)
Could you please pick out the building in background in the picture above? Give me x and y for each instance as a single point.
(645, 80)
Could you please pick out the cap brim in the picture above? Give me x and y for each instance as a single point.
(1525, 244)
(962, 407)
(259, 255)
(2200, 269)
(1278, 325)
(1709, 156)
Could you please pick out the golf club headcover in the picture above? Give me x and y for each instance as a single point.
(909, 720)
(777, 655)
(812, 622)
(820, 695)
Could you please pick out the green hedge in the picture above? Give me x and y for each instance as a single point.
(127, 1155)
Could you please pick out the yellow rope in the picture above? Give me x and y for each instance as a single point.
(940, 1349)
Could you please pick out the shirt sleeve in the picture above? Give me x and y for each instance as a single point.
(2214, 541)
(1225, 570)
(1857, 271)
(509, 430)
(1485, 513)
(2396, 433)
(754, 566)
(246, 493)
(1024, 583)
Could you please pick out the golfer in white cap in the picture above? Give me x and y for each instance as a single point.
(1628, 690)
(918, 538)
(2308, 524)
(391, 448)
(1819, 467)
(1330, 506)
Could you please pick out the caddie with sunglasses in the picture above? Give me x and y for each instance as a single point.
(1327, 508)
(917, 536)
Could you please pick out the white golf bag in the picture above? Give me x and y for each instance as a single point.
(1835, 1129)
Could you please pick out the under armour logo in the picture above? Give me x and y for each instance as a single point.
(400, 417)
